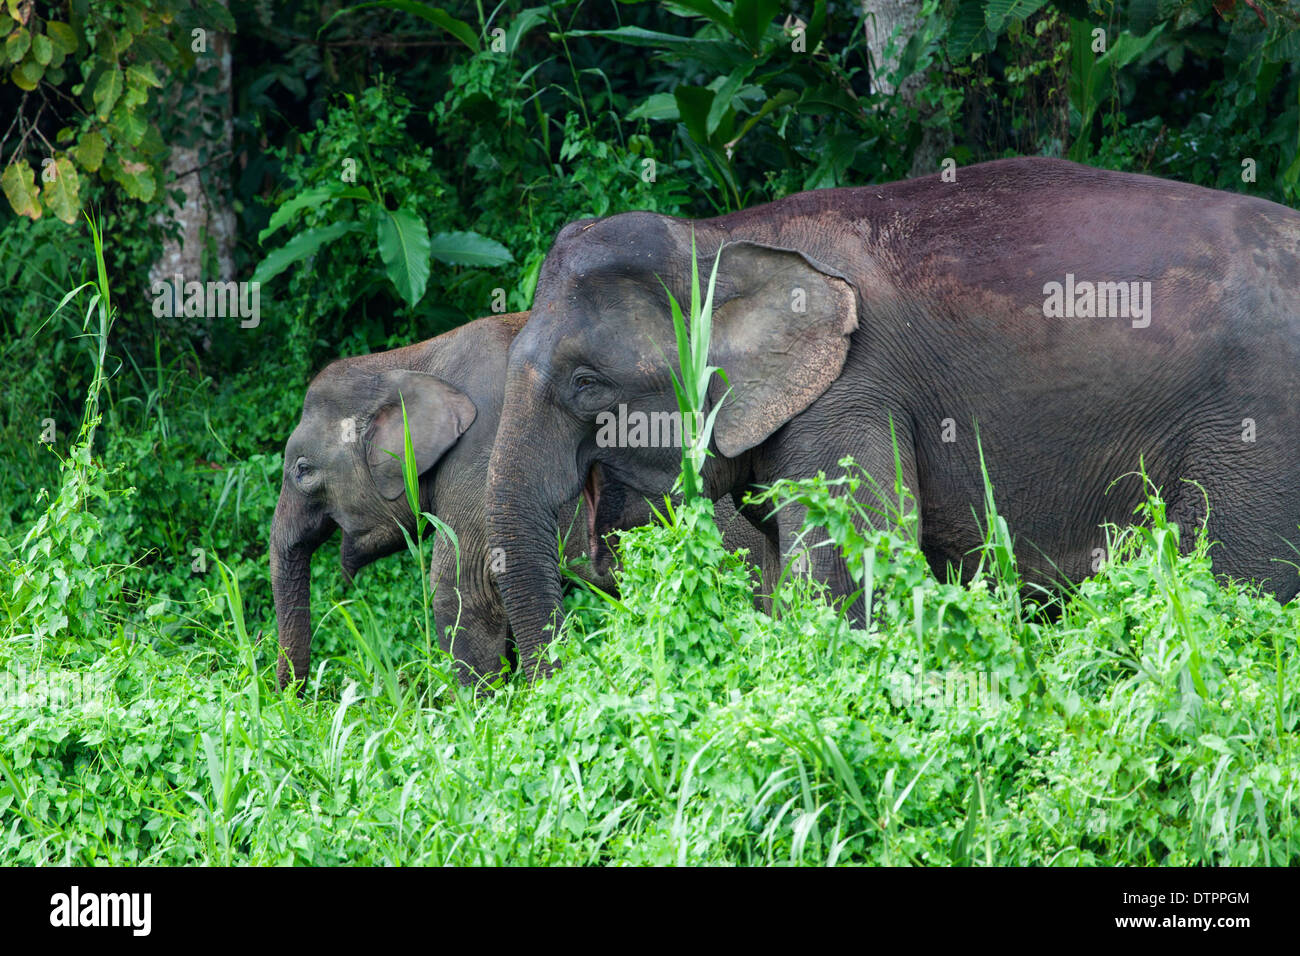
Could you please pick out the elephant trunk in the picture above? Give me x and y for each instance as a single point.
(525, 530)
(295, 536)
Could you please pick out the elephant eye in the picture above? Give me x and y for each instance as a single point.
(304, 473)
(585, 380)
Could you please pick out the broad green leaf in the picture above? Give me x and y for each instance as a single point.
(468, 249)
(1091, 76)
(968, 32)
(723, 55)
(709, 10)
(216, 12)
(404, 248)
(753, 17)
(89, 151)
(658, 106)
(722, 99)
(784, 98)
(107, 91)
(1285, 47)
(157, 48)
(63, 36)
(461, 30)
(62, 194)
(19, 184)
(308, 199)
(525, 21)
(998, 12)
(300, 247)
(816, 25)
(694, 104)
(1128, 48)
(1291, 175)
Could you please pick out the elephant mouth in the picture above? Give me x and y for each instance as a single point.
(591, 490)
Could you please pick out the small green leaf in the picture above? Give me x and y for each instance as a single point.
(42, 49)
(137, 179)
(61, 194)
(134, 96)
(89, 151)
(404, 248)
(107, 91)
(127, 126)
(142, 74)
(27, 74)
(17, 45)
(19, 184)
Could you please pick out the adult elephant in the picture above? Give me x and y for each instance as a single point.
(926, 310)
(342, 469)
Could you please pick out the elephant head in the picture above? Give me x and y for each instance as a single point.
(589, 398)
(343, 469)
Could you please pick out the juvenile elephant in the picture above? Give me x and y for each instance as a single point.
(1082, 320)
(338, 473)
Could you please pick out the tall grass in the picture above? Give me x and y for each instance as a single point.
(694, 333)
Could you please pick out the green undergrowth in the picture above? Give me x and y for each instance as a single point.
(1148, 716)
(1152, 720)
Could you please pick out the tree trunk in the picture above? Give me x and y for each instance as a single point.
(204, 218)
(883, 17)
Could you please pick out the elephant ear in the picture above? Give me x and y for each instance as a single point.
(781, 333)
(438, 415)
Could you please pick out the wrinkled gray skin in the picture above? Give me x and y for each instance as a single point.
(336, 475)
(921, 303)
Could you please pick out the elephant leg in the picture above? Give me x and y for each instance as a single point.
(1218, 472)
